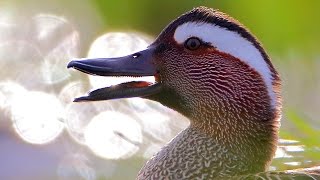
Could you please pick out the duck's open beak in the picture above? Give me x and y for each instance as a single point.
(137, 64)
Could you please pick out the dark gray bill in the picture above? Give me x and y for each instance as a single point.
(137, 64)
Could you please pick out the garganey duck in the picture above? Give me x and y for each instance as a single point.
(211, 69)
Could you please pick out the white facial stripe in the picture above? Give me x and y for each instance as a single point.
(229, 42)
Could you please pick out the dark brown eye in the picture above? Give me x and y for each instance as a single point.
(192, 43)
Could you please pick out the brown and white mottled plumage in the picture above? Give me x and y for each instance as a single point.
(211, 69)
(233, 127)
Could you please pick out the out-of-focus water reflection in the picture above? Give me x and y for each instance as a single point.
(37, 90)
(113, 135)
(33, 55)
(19, 61)
(289, 155)
(60, 42)
(115, 44)
(35, 52)
(76, 166)
(9, 90)
(38, 122)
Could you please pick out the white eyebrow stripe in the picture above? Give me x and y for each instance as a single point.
(229, 42)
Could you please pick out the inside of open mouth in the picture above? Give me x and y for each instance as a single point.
(123, 87)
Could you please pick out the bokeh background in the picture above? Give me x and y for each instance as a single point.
(43, 135)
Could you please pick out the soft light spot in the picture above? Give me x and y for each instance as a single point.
(296, 148)
(281, 153)
(46, 24)
(2, 100)
(6, 23)
(78, 116)
(76, 166)
(71, 91)
(37, 117)
(59, 41)
(156, 125)
(19, 62)
(152, 150)
(36, 52)
(138, 104)
(113, 135)
(9, 90)
(116, 44)
(287, 141)
(293, 163)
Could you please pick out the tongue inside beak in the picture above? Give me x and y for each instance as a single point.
(123, 90)
(138, 64)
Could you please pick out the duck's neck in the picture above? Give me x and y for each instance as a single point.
(208, 153)
(226, 137)
(250, 145)
(249, 141)
(250, 135)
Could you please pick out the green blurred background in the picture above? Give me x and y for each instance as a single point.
(288, 29)
(283, 26)
(287, 26)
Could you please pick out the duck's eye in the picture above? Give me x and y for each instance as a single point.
(192, 43)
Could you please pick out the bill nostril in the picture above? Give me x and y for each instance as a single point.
(136, 55)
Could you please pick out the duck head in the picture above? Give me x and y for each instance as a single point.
(208, 67)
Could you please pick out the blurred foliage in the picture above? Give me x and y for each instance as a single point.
(283, 26)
